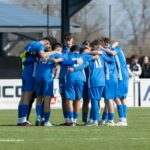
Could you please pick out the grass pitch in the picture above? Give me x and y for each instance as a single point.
(134, 137)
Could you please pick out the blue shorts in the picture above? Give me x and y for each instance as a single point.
(44, 87)
(86, 91)
(74, 90)
(110, 90)
(96, 92)
(28, 84)
(62, 87)
(122, 90)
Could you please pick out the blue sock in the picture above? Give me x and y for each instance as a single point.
(38, 111)
(120, 110)
(84, 116)
(75, 115)
(19, 111)
(46, 116)
(124, 111)
(91, 114)
(70, 115)
(66, 114)
(110, 116)
(25, 109)
(104, 116)
(95, 108)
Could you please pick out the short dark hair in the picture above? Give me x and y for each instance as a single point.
(57, 45)
(45, 38)
(106, 40)
(86, 42)
(51, 39)
(75, 48)
(95, 44)
(68, 36)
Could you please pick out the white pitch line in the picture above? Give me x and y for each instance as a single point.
(139, 138)
(11, 140)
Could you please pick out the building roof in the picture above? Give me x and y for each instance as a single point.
(14, 18)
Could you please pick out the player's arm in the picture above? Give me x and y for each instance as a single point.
(78, 68)
(63, 61)
(43, 54)
(109, 51)
(115, 44)
(109, 59)
(94, 52)
(90, 57)
(72, 62)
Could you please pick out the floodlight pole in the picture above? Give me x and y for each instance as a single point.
(47, 20)
(110, 21)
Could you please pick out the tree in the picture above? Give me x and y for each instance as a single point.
(91, 19)
(137, 25)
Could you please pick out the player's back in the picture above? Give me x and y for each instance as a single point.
(45, 69)
(79, 74)
(96, 73)
(122, 60)
(111, 69)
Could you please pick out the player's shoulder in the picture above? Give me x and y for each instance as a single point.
(28, 46)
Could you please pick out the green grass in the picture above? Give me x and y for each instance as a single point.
(134, 137)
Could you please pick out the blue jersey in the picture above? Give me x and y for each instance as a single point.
(78, 73)
(97, 72)
(30, 62)
(45, 69)
(112, 76)
(63, 69)
(65, 49)
(123, 83)
(123, 64)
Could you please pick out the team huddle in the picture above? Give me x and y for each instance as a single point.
(88, 71)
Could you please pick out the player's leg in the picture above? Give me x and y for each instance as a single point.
(39, 86)
(38, 110)
(118, 101)
(76, 111)
(23, 107)
(27, 93)
(110, 112)
(111, 92)
(105, 114)
(30, 105)
(70, 110)
(78, 87)
(124, 111)
(126, 84)
(85, 110)
(47, 93)
(46, 114)
(119, 108)
(70, 96)
(85, 106)
(64, 101)
(94, 92)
